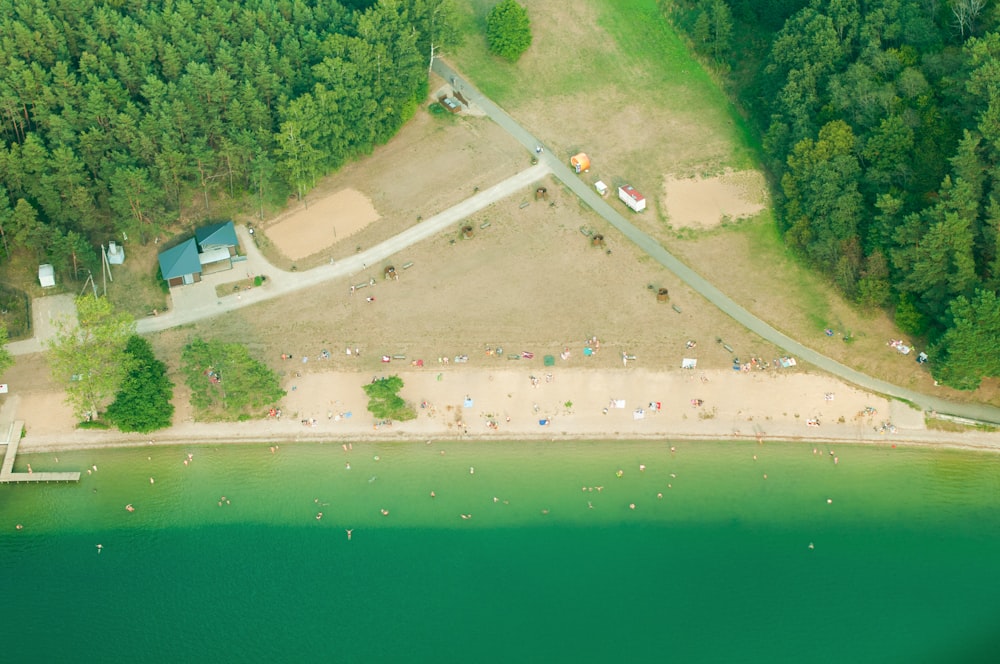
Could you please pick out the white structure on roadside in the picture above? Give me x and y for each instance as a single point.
(632, 198)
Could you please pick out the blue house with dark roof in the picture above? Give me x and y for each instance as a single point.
(180, 265)
(210, 250)
(217, 236)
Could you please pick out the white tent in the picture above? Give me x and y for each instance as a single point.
(46, 276)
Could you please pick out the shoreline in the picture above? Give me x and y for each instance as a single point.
(477, 405)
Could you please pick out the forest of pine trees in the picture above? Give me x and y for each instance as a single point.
(114, 114)
(880, 127)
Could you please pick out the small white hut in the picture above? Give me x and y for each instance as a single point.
(116, 253)
(46, 276)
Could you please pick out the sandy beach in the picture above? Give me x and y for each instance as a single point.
(537, 403)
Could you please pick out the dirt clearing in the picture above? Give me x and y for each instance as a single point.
(706, 202)
(315, 227)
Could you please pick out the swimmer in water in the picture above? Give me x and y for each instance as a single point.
(319, 515)
(472, 470)
(152, 481)
(385, 512)
(100, 547)
(433, 495)
(349, 531)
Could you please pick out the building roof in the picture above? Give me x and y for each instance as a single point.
(632, 193)
(180, 260)
(222, 234)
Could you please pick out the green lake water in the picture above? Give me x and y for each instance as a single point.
(904, 564)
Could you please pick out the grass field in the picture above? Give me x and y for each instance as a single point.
(610, 77)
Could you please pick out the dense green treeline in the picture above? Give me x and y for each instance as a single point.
(114, 113)
(880, 125)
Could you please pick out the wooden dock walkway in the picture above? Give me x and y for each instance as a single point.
(7, 474)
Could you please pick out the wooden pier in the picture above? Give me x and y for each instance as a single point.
(7, 474)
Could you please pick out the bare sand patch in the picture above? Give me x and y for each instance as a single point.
(322, 223)
(706, 202)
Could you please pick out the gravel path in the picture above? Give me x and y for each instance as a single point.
(562, 171)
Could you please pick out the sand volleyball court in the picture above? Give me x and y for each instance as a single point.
(307, 230)
(705, 202)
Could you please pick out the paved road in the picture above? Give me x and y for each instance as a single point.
(562, 171)
(199, 301)
(284, 283)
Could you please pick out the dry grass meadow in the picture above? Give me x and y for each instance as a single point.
(528, 279)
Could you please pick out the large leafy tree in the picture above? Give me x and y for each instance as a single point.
(143, 400)
(226, 383)
(90, 356)
(508, 30)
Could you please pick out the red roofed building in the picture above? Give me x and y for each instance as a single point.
(632, 198)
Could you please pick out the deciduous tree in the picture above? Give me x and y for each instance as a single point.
(508, 30)
(90, 357)
(384, 401)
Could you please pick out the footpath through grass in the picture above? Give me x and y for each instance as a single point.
(612, 78)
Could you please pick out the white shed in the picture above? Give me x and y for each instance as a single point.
(46, 276)
(632, 198)
(601, 188)
(116, 253)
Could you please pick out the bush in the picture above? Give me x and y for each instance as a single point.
(384, 401)
(226, 383)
